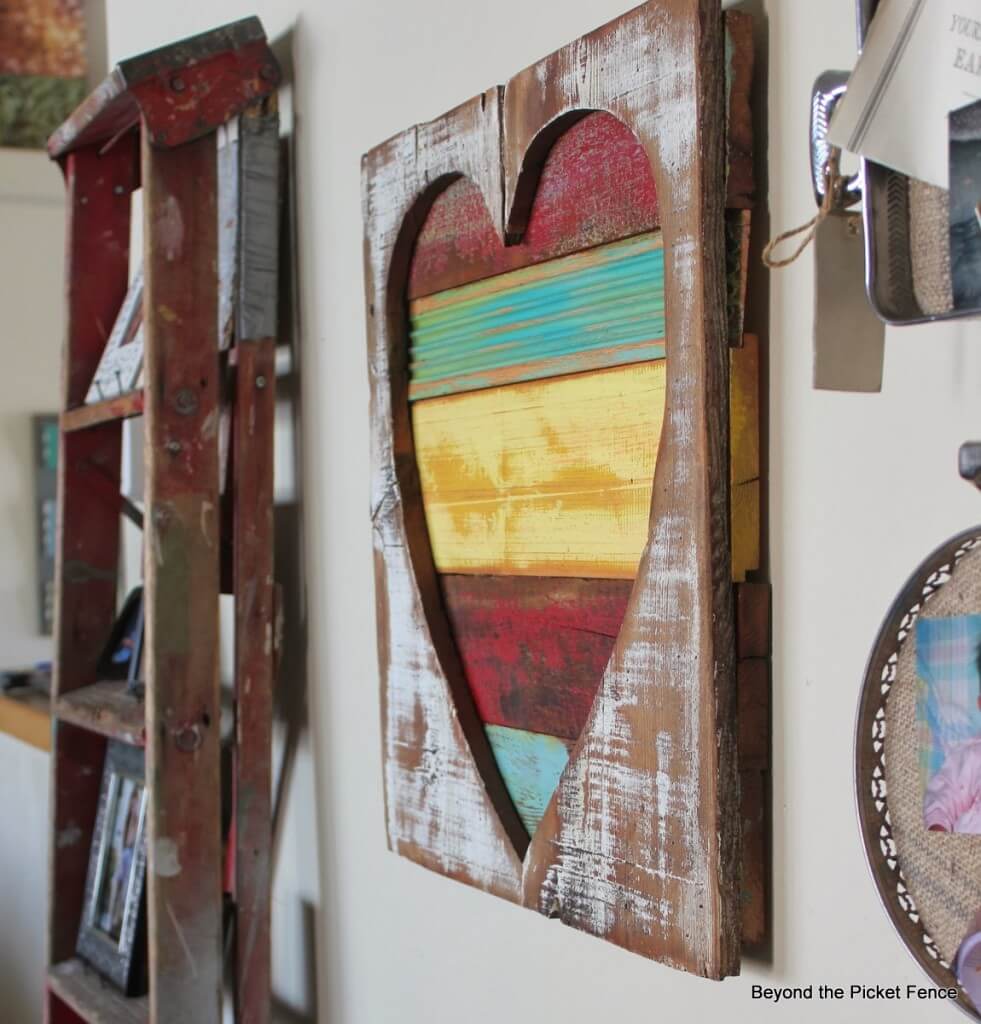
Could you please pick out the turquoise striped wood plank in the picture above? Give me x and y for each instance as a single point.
(593, 310)
(530, 764)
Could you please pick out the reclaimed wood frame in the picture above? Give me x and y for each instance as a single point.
(640, 844)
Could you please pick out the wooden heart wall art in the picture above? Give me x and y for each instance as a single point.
(558, 512)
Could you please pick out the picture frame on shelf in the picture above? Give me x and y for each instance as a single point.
(122, 657)
(111, 935)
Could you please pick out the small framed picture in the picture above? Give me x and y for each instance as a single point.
(948, 711)
(121, 364)
(122, 657)
(112, 933)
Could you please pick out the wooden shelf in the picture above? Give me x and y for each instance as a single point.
(93, 998)
(84, 416)
(105, 708)
(27, 718)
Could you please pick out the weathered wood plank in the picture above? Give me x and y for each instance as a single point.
(181, 655)
(86, 416)
(452, 814)
(547, 478)
(596, 309)
(107, 708)
(534, 650)
(92, 998)
(530, 765)
(97, 245)
(641, 843)
(253, 424)
(596, 186)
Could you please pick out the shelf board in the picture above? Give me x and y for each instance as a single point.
(27, 718)
(105, 708)
(85, 416)
(93, 998)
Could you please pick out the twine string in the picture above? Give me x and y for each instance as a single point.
(835, 198)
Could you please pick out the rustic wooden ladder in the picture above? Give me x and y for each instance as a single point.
(157, 121)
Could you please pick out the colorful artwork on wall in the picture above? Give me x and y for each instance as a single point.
(42, 68)
(559, 512)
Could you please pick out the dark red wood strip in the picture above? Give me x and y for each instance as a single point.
(534, 650)
(752, 620)
(77, 767)
(254, 416)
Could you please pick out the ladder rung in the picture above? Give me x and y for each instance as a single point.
(121, 408)
(105, 708)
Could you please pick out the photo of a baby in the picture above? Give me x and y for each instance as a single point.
(948, 665)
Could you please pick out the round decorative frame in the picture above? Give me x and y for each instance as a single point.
(884, 857)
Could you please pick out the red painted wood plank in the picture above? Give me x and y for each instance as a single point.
(254, 423)
(534, 650)
(596, 186)
(184, 888)
(99, 189)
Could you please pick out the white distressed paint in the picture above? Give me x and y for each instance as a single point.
(166, 858)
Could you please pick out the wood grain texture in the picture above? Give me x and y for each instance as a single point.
(596, 309)
(641, 841)
(92, 998)
(595, 187)
(105, 708)
(253, 425)
(530, 764)
(547, 478)
(446, 806)
(181, 580)
(534, 650)
(97, 251)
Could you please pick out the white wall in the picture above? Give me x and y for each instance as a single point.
(861, 488)
(31, 272)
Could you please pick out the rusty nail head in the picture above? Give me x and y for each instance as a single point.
(174, 447)
(177, 83)
(260, 382)
(185, 401)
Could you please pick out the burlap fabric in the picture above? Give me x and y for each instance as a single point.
(929, 240)
(942, 872)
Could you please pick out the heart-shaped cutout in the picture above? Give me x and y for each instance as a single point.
(537, 393)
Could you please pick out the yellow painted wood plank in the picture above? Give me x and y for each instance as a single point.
(545, 478)
(27, 718)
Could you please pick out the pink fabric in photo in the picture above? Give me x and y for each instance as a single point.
(953, 796)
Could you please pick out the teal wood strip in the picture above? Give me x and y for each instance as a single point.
(530, 764)
(592, 310)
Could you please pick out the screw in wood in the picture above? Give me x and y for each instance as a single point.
(260, 382)
(174, 447)
(185, 402)
(177, 84)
